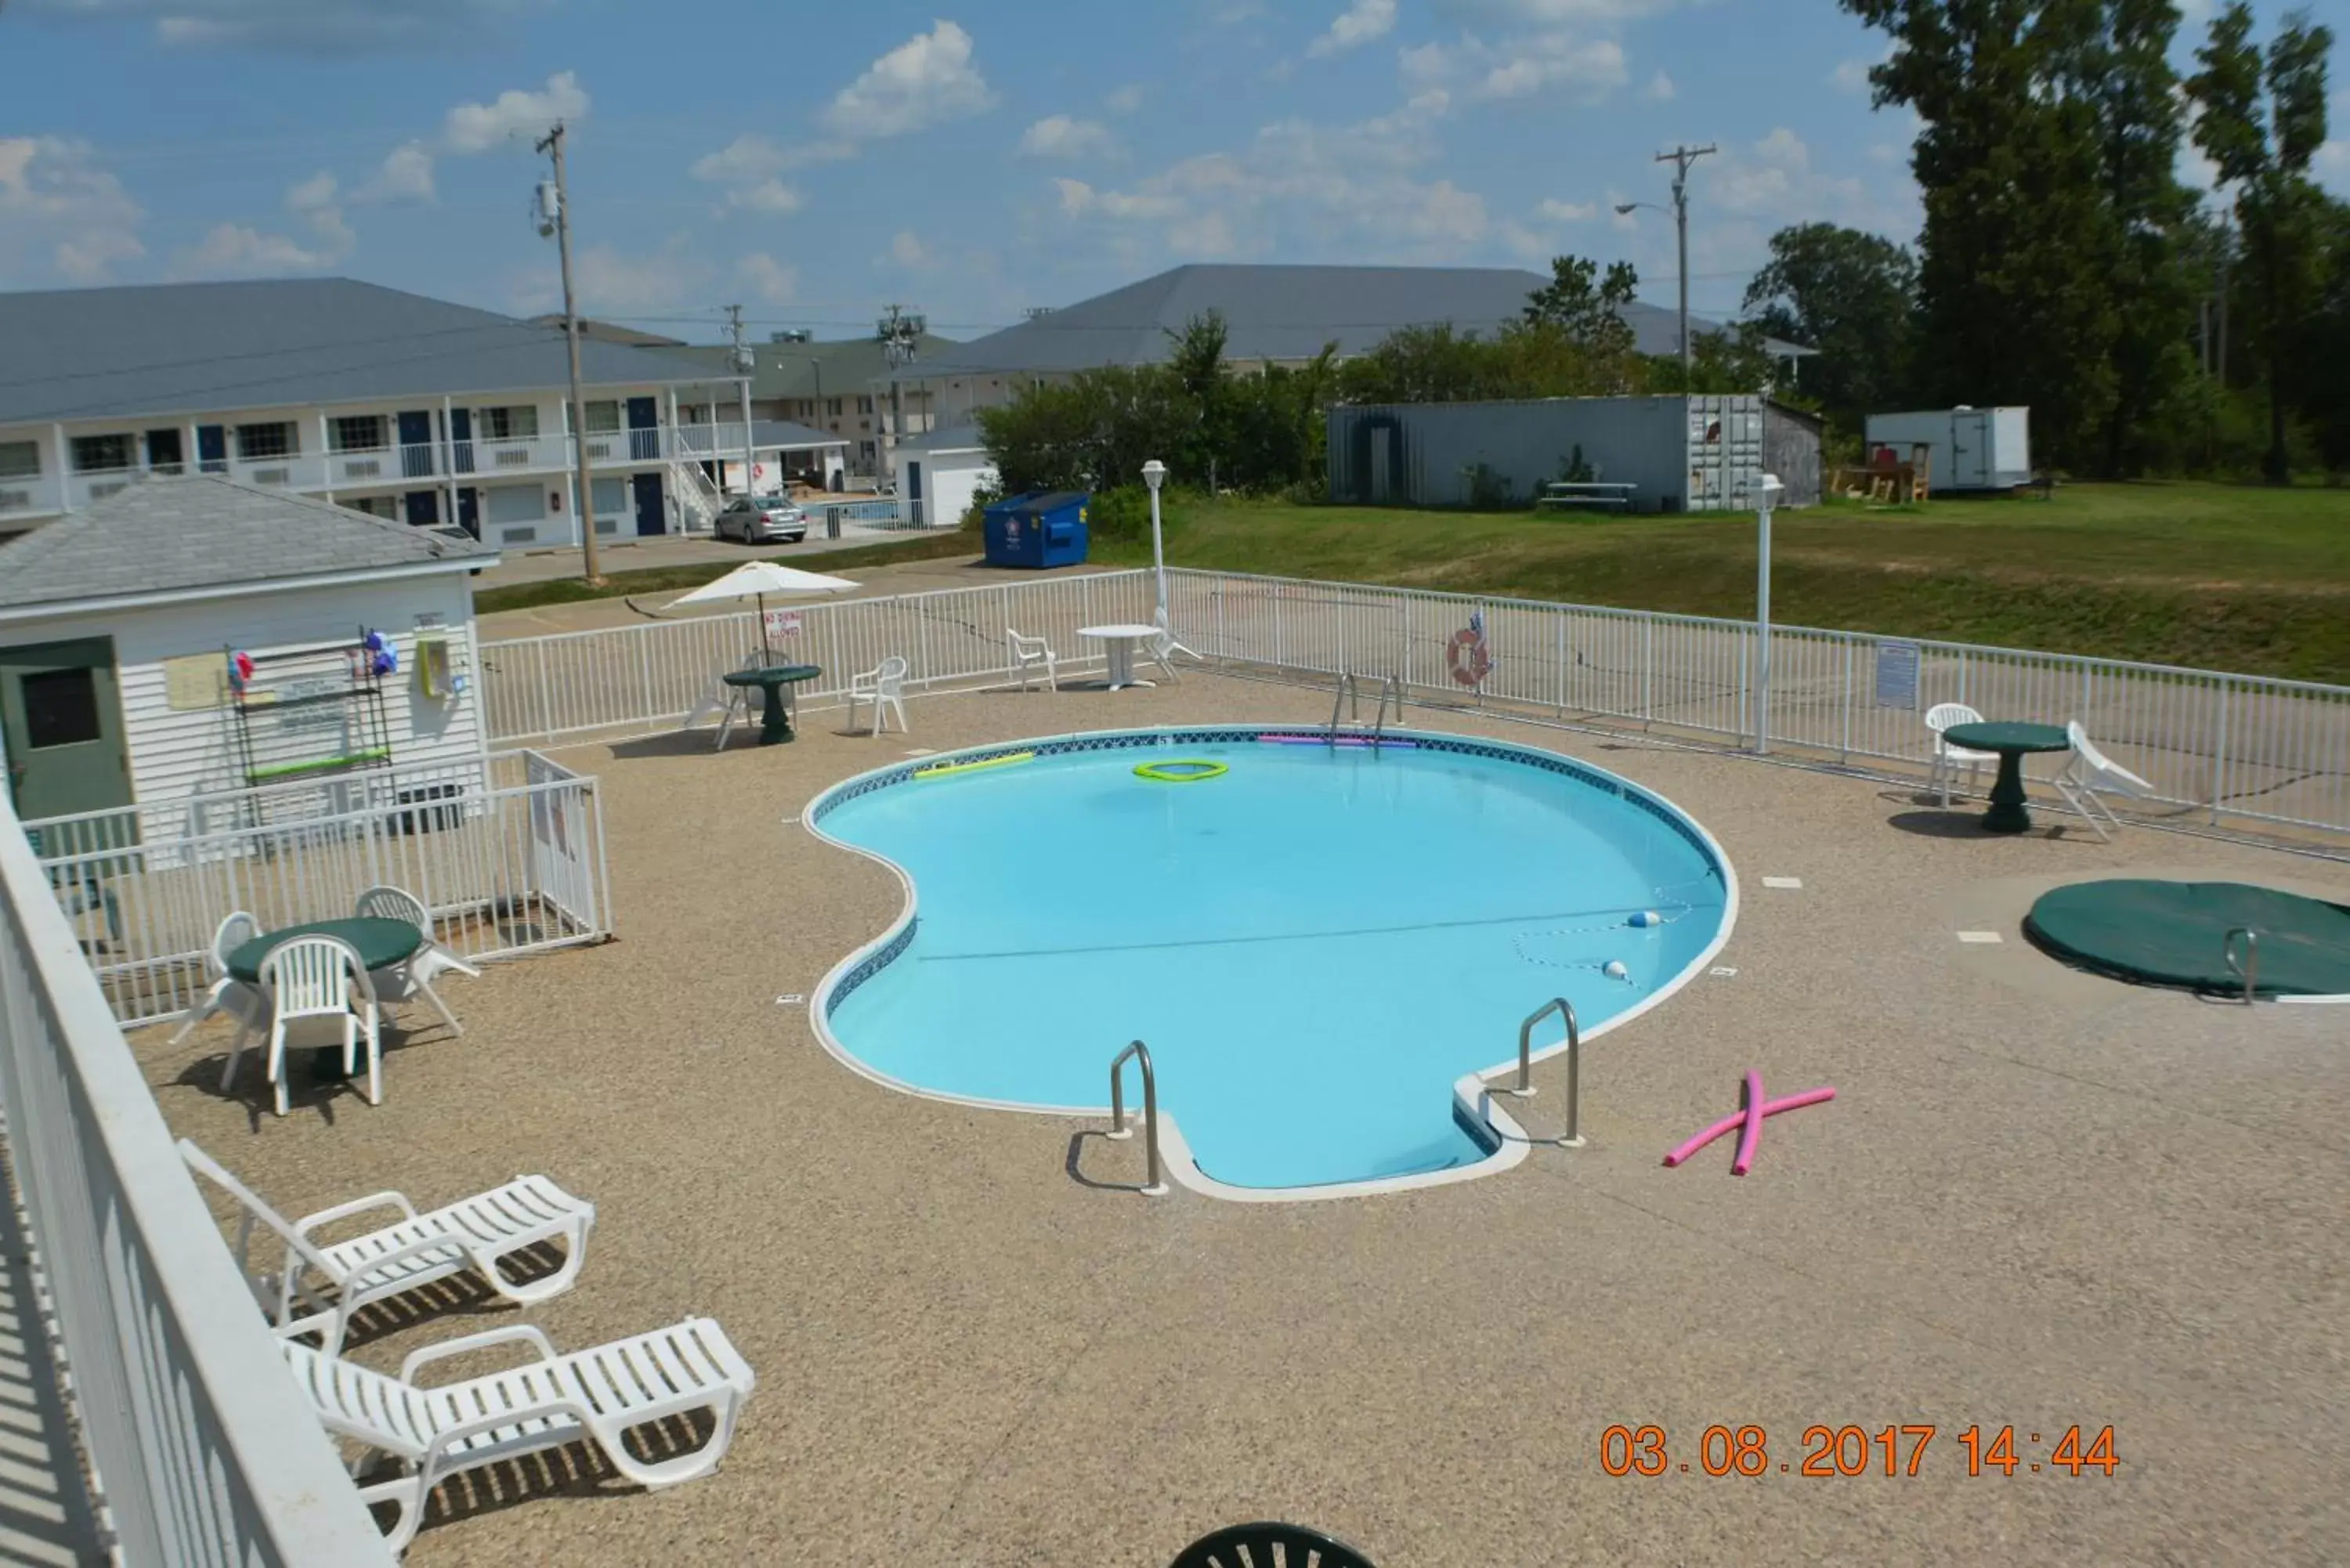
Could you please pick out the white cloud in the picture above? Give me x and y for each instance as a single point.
(63, 215)
(750, 166)
(1555, 64)
(242, 250)
(771, 197)
(1558, 13)
(672, 279)
(1358, 192)
(1125, 99)
(1552, 210)
(1059, 135)
(927, 80)
(1359, 22)
(316, 202)
(906, 248)
(768, 278)
(478, 127)
(406, 175)
(1660, 89)
(1851, 76)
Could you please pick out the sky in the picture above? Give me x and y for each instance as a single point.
(963, 159)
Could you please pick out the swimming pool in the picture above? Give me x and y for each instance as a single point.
(1316, 943)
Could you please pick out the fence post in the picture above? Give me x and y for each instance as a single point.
(1843, 750)
(2220, 755)
(545, 696)
(1647, 671)
(1223, 647)
(645, 672)
(1280, 646)
(1558, 620)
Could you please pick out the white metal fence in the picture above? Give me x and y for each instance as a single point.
(203, 1447)
(2238, 749)
(508, 854)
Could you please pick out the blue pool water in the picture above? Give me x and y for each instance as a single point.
(1316, 945)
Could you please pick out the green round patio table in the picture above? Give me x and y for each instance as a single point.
(774, 718)
(379, 943)
(2013, 742)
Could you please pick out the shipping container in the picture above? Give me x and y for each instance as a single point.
(1679, 454)
(1972, 448)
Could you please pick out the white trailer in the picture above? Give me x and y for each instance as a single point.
(1972, 449)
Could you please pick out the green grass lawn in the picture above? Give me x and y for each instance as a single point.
(677, 579)
(2222, 576)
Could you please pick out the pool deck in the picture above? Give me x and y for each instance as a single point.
(2039, 1198)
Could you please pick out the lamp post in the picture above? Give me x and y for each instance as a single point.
(1154, 474)
(1680, 158)
(1767, 489)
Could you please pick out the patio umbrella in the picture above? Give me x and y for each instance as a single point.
(756, 580)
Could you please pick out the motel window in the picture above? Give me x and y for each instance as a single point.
(865, 404)
(832, 407)
(603, 417)
(517, 422)
(356, 433)
(384, 506)
(100, 453)
(276, 438)
(20, 459)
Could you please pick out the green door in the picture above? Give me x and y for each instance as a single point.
(62, 722)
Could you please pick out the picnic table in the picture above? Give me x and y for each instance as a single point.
(1607, 495)
(2012, 741)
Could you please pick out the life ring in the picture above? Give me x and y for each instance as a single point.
(1466, 658)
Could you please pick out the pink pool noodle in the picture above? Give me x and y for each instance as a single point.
(1750, 1119)
(1327, 741)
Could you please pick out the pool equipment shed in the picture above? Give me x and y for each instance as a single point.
(1042, 528)
(2220, 938)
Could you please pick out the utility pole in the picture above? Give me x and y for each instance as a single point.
(897, 333)
(1680, 158)
(552, 142)
(743, 366)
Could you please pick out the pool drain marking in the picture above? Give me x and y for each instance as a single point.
(1984, 938)
(1792, 884)
(1724, 972)
(1193, 770)
(791, 999)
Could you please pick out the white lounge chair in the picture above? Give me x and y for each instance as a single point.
(319, 981)
(2090, 771)
(324, 1284)
(440, 1431)
(1030, 653)
(731, 704)
(413, 976)
(884, 686)
(226, 993)
(1948, 759)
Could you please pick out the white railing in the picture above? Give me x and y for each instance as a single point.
(2222, 748)
(203, 1448)
(508, 856)
(658, 672)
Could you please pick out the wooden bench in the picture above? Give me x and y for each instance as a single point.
(1562, 495)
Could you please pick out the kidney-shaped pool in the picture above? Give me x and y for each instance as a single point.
(1315, 941)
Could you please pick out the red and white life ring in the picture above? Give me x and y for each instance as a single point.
(1466, 658)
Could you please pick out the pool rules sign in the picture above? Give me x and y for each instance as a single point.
(1897, 675)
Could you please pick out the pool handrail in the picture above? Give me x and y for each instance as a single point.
(1349, 686)
(1157, 1184)
(2249, 969)
(1526, 1085)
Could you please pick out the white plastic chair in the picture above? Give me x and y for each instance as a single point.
(324, 1284)
(1029, 653)
(227, 993)
(1160, 650)
(440, 1431)
(731, 703)
(885, 684)
(2089, 770)
(1948, 758)
(413, 976)
(317, 980)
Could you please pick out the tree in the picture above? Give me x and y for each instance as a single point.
(1850, 296)
(1586, 310)
(1196, 357)
(2017, 246)
(2259, 122)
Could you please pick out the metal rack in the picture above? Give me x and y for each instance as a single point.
(311, 711)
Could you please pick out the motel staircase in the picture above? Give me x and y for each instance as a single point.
(698, 500)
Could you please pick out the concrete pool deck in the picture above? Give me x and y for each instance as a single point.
(2040, 1200)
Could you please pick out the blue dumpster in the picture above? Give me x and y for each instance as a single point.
(1043, 528)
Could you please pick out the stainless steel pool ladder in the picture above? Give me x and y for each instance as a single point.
(1526, 1085)
(1349, 688)
(2249, 969)
(1118, 1127)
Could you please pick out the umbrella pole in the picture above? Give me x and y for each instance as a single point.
(765, 651)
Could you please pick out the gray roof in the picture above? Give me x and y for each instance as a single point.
(845, 367)
(951, 438)
(202, 348)
(161, 535)
(1276, 313)
(766, 433)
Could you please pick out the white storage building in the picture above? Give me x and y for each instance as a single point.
(118, 627)
(939, 475)
(1972, 448)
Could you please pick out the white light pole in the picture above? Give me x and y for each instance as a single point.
(1154, 474)
(1767, 489)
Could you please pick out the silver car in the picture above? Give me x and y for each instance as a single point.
(762, 520)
